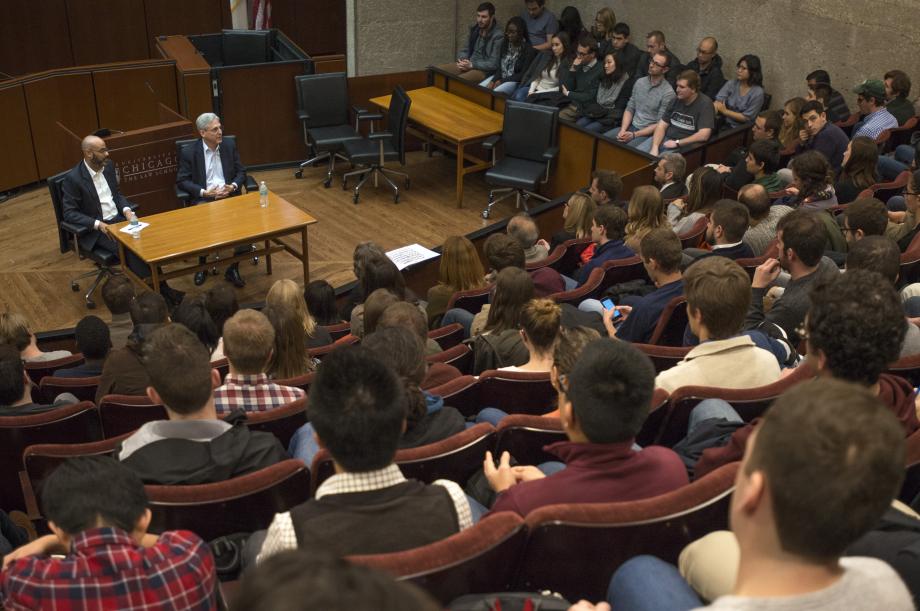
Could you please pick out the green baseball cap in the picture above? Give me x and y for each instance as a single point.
(871, 87)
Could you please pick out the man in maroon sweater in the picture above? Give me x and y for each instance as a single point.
(853, 331)
(602, 405)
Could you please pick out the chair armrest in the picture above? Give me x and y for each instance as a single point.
(380, 135)
(491, 141)
(303, 115)
(183, 195)
(551, 153)
(363, 114)
(74, 229)
(251, 184)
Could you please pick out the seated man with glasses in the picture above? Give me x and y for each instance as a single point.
(708, 64)
(651, 98)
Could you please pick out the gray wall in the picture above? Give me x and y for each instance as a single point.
(790, 36)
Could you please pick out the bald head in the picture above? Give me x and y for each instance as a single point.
(706, 51)
(755, 197)
(94, 152)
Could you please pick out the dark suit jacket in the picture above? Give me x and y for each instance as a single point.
(192, 175)
(677, 189)
(81, 203)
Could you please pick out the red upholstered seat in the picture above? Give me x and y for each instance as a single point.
(471, 300)
(694, 236)
(671, 324)
(338, 331)
(282, 422)
(122, 414)
(517, 392)
(461, 393)
(39, 369)
(346, 340)
(663, 357)
(459, 356)
(83, 389)
(302, 382)
(447, 336)
(570, 256)
(524, 436)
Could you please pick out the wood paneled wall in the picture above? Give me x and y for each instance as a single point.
(316, 26)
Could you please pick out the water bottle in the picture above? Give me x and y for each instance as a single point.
(135, 225)
(263, 194)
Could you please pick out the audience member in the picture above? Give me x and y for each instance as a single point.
(762, 162)
(651, 98)
(859, 169)
(287, 296)
(725, 232)
(820, 135)
(691, 120)
(461, 270)
(718, 296)
(290, 357)
(812, 185)
(871, 98)
(480, 56)
(320, 298)
(15, 331)
(497, 327)
(801, 243)
(705, 191)
(364, 254)
(357, 407)
(803, 459)
(764, 217)
(381, 273)
(837, 109)
(194, 315)
(221, 303)
(502, 251)
(100, 555)
(741, 98)
(613, 92)
(607, 231)
(249, 339)
(117, 295)
(864, 217)
(94, 343)
(793, 124)
(580, 82)
(540, 320)
(906, 231)
(514, 57)
(524, 229)
(628, 55)
(605, 187)
(605, 22)
(543, 75)
(16, 387)
(570, 22)
(541, 23)
(669, 175)
(124, 372)
(767, 127)
(578, 214)
(602, 405)
(374, 306)
(897, 89)
(644, 213)
(708, 64)
(304, 580)
(193, 446)
(655, 44)
(407, 316)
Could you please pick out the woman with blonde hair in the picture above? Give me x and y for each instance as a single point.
(287, 296)
(578, 215)
(604, 22)
(792, 123)
(540, 321)
(645, 212)
(460, 270)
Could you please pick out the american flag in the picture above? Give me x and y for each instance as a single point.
(261, 14)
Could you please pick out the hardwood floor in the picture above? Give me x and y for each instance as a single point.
(35, 276)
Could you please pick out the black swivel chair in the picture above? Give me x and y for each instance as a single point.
(186, 198)
(529, 134)
(379, 147)
(68, 238)
(322, 107)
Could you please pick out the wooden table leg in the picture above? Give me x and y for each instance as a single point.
(460, 174)
(268, 258)
(155, 277)
(305, 257)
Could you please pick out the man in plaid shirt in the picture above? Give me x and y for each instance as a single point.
(249, 339)
(97, 510)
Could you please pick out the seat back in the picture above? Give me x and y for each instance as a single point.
(398, 120)
(338, 331)
(478, 560)
(302, 382)
(447, 336)
(573, 549)
(910, 488)
(901, 135)
(517, 392)
(242, 504)
(528, 130)
(346, 340)
(41, 369)
(621, 270)
(908, 368)
(568, 261)
(588, 289)
(83, 389)
(78, 422)
(56, 190)
(324, 97)
(671, 324)
(693, 237)
(459, 356)
(524, 437)
(663, 357)
(886, 190)
(460, 393)
(122, 414)
(455, 458)
(282, 422)
(471, 300)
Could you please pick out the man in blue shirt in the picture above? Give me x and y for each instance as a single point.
(541, 24)
(871, 98)
(607, 229)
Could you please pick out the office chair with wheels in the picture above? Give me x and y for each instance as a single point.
(322, 107)
(379, 147)
(68, 234)
(529, 134)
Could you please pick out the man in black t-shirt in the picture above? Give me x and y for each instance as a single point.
(690, 120)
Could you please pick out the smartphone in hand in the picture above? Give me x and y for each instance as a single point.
(609, 305)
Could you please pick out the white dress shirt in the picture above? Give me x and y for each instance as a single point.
(109, 209)
(214, 170)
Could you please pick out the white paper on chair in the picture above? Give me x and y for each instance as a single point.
(409, 255)
(133, 228)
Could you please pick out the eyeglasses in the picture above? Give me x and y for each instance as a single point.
(583, 53)
(662, 66)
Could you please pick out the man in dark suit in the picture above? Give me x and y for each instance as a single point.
(209, 170)
(728, 222)
(669, 175)
(92, 199)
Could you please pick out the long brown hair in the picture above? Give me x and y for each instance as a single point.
(404, 352)
(286, 295)
(705, 190)
(860, 166)
(580, 215)
(460, 266)
(290, 358)
(645, 210)
(790, 135)
(513, 289)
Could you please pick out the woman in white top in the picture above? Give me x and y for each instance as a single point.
(540, 320)
(543, 74)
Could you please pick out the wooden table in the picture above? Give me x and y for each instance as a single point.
(205, 228)
(450, 122)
